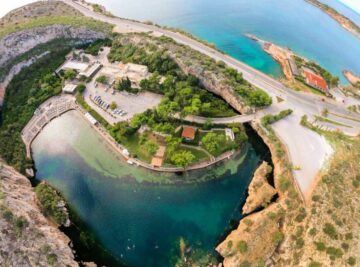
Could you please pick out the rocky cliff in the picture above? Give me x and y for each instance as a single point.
(260, 191)
(27, 237)
(20, 42)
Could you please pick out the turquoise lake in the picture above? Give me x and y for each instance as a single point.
(294, 24)
(139, 223)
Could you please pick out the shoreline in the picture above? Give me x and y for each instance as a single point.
(341, 19)
(29, 136)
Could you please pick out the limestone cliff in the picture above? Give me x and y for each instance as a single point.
(27, 238)
(20, 42)
(260, 191)
(255, 240)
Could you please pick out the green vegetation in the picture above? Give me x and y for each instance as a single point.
(70, 74)
(331, 121)
(182, 158)
(217, 143)
(77, 22)
(270, 119)
(36, 51)
(332, 81)
(330, 230)
(18, 223)
(242, 246)
(147, 52)
(102, 79)
(31, 87)
(81, 101)
(51, 203)
(95, 47)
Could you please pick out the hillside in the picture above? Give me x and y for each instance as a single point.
(27, 237)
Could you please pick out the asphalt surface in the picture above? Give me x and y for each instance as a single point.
(306, 149)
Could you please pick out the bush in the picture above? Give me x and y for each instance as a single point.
(336, 252)
(50, 199)
(102, 79)
(320, 246)
(330, 230)
(351, 261)
(242, 246)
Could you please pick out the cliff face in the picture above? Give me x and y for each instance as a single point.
(27, 238)
(20, 42)
(260, 192)
(254, 241)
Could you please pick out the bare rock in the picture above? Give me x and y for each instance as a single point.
(27, 237)
(260, 191)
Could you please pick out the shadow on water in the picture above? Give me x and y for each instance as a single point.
(107, 211)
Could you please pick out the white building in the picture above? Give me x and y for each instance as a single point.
(69, 88)
(230, 134)
(91, 70)
(90, 118)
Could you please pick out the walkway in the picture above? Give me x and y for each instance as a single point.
(50, 109)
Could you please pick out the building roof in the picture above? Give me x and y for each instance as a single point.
(69, 88)
(88, 72)
(315, 80)
(157, 162)
(90, 118)
(188, 133)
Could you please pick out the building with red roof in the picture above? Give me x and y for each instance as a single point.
(188, 133)
(315, 80)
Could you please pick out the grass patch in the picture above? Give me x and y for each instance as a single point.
(76, 22)
(319, 118)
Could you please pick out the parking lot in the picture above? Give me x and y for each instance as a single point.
(127, 104)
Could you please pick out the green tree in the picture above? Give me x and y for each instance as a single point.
(124, 85)
(102, 79)
(151, 147)
(70, 74)
(80, 88)
(113, 105)
(182, 158)
(213, 141)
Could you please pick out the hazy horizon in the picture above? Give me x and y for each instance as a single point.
(8, 6)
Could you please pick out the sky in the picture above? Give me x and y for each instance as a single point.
(12, 4)
(353, 4)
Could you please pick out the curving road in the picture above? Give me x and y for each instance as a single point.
(306, 149)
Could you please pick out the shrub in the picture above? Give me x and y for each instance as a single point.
(315, 264)
(336, 252)
(351, 261)
(49, 200)
(330, 230)
(320, 246)
(278, 237)
(242, 246)
(102, 79)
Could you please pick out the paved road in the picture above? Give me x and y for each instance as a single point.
(306, 149)
(309, 104)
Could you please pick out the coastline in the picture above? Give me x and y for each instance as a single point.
(343, 21)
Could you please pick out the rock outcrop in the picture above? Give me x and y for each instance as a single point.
(20, 42)
(260, 191)
(255, 240)
(27, 237)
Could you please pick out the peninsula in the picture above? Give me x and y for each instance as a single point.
(344, 21)
(169, 103)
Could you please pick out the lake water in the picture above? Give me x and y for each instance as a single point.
(138, 222)
(294, 24)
